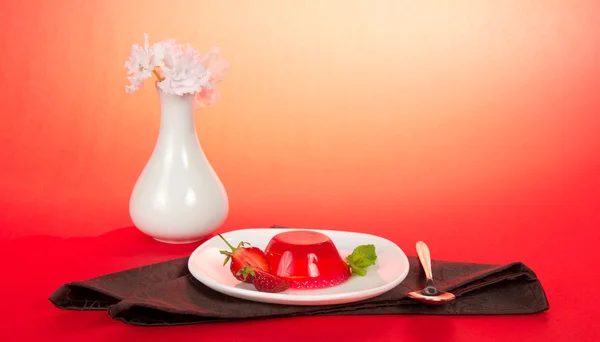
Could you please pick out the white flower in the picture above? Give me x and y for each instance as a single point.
(183, 70)
(180, 69)
(141, 63)
(158, 51)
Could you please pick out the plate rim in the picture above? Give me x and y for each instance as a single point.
(309, 299)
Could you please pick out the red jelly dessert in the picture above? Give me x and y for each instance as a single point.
(309, 260)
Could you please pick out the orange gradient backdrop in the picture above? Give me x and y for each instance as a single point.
(475, 118)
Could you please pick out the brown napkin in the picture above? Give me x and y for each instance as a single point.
(166, 294)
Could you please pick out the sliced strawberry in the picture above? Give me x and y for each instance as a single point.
(264, 281)
(245, 256)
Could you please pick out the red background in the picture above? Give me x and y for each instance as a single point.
(472, 125)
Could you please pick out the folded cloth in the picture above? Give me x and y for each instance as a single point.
(167, 294)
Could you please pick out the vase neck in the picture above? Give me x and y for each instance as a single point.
(176, 115)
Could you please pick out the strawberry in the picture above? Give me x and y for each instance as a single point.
(245, 256)
(265, 282)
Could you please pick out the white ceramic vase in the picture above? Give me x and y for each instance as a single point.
(178, 198)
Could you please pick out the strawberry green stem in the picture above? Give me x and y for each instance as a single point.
(245, 271)
(228, 244)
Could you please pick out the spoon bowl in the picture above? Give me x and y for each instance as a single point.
(440, 298)
(429, 294)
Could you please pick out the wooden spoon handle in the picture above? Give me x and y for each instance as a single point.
(425, 258)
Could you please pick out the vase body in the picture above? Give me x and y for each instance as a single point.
(178, 197)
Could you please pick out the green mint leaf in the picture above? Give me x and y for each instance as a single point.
(358, 271)
(361, 258)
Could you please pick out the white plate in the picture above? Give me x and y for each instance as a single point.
(206, 265)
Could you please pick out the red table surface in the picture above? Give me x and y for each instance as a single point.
(565, 260)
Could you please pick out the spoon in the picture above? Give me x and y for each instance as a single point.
(430, 294)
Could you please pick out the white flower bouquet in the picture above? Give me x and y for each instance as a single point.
(179, 69)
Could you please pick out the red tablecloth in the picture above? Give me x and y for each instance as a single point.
(35, 266)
